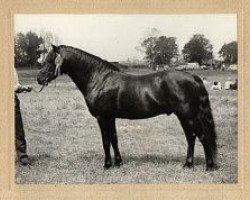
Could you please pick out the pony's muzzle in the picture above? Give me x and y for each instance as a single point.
(42, 78)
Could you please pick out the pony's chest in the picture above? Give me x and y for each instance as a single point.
(102, 103)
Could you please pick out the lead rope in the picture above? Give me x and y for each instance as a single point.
(40, 89)
(57, 71)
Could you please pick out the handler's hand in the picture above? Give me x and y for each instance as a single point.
(29, 89)
(24, 89)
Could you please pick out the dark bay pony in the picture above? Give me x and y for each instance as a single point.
(110, 94)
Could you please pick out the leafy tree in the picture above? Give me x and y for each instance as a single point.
(33, 42)
(165, 49)
(26, 48)
(160, 50)
(49, 38)
(21, 56)
(229, 52)
(198, 49)
(148, 45)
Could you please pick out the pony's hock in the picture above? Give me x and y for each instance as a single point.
(111, 94)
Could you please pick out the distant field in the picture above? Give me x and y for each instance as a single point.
(64, 140)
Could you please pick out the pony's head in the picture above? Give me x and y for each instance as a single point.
(51, 66)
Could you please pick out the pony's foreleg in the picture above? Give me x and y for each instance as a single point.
(114, 142)
(109, 136)
(106, 139)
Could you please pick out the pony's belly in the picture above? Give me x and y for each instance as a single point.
(139, 113)
(140, 106)
(141, 116)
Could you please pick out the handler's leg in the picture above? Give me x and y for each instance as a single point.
(21, 147)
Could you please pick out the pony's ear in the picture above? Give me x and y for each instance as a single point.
(55, 48)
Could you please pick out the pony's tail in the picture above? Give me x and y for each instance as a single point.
(206, 120)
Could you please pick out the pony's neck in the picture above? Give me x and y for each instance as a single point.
(87, 71)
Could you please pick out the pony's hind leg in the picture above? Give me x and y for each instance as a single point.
(193, 128)
(209, 156)
(188, 127)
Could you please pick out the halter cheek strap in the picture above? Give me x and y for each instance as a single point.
(58, 62)
(58, 70)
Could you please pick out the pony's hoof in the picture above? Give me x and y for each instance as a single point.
(118, 164)
(210, 168)
(107, 165)
(188, 165)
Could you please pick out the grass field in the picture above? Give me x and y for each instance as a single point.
(64, 140)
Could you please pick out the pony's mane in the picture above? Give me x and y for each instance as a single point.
(90, 58)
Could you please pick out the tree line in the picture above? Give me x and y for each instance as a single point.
(164, 50)
(26, 46)
(159, 50)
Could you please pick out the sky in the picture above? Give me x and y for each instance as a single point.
(115, 37)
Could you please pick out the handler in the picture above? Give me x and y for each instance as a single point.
(21, 146)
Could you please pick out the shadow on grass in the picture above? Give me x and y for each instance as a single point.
(37, 159)
(127, 159)
(148, 158)
(159, 159)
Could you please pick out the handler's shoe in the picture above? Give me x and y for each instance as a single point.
(24, 160)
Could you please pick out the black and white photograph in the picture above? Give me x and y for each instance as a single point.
(126, 98)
